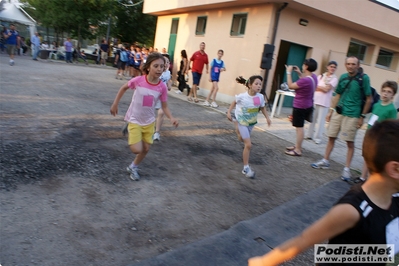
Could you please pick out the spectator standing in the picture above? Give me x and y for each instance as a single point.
(68, 50)
(303, 101)
(104, 47)
(248, 105)
(346, 114)
(183, 73)
(138, 60)
(35, 41)
(383, 110)
(141, 113)
(121, 58)
(322, 100)
(217, 66)
(12, 41)
(199, 59)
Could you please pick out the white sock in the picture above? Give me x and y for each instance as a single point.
(246, 166)
(346, 168)
(324, 160)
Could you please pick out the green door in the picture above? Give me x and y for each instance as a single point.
(172, 39)
(296, 56)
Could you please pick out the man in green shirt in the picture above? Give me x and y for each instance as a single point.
(348, 117)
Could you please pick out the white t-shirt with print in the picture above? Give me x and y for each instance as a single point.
(247, 108)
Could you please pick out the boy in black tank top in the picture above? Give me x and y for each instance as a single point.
(367, 214)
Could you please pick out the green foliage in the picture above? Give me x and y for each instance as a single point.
(130, 25)
(86, 19)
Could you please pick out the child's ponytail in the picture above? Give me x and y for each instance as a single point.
(248, 82)
(242, 81)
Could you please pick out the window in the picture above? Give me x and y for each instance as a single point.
(201, 26)
(384, 58)
(238, 25)
(357, 49)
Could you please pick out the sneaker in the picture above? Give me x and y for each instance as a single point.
(156, 136)
(214, 105)
(178, 92)
(346, 175)
(206, 103)
(320, 165)
(134, 174)
(247, 171)
(11, 63)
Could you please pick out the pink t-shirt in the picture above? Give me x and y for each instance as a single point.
(142, 108)
(324, 98)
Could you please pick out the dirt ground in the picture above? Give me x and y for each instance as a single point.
(66, 198)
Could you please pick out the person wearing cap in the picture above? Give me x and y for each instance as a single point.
(322, 101)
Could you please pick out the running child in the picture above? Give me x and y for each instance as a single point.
(384, 109)
(166, 79)
(217, 66)
(367, 214)
(141, 114)
(247, 106)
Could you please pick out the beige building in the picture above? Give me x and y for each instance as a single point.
(321, 29)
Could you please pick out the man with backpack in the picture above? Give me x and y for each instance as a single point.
(121, 58)
(346, 114)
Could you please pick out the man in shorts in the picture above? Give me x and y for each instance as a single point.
(12, 42)
(346, 114)
(199, 59)
(104, 51)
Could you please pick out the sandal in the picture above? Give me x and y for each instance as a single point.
(189, 99)
(291, 148)
(292, 153)
(196, 100)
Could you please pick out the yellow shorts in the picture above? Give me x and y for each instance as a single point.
(139, 133)
(344, 124)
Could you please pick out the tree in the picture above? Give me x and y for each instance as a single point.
(78, 17)
(131, 25)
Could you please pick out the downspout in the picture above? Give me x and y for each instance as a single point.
(276, 20)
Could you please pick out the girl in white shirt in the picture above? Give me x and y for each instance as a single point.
(248, 105)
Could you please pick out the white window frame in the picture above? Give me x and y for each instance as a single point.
(239, 24)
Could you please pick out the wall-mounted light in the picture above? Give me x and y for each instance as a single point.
(303, 22)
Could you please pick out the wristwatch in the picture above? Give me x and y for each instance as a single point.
(363, 115)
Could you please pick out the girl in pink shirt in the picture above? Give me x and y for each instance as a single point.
(141, 113)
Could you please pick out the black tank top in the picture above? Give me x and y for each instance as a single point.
(373, 223)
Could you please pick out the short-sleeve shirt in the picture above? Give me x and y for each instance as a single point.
(12, 39)
(199, 60)
(142, 108)
(247, 108)
(351, 97)
(324, 98)
(376, 225)
(384, 112)
(304, 94)
(104, 47)
(68, 46)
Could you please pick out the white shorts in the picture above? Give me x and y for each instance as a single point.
(245, 131)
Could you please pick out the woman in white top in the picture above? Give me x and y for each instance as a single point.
(322, 100)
